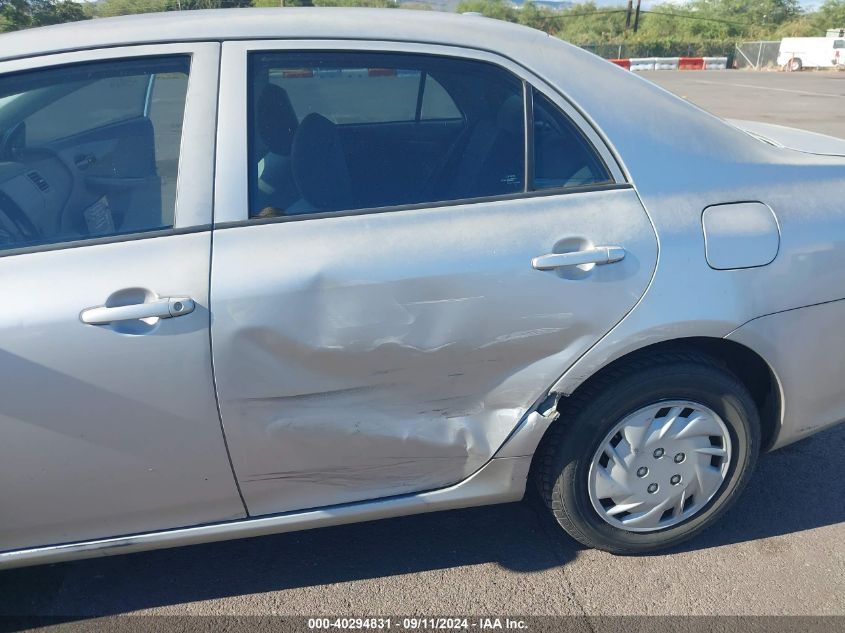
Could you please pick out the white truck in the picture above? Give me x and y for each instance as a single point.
(811, 52)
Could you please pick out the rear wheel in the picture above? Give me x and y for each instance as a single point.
(650, 453)
(795, 64)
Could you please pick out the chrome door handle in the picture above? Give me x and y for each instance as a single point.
(161, 308)
(598, 255)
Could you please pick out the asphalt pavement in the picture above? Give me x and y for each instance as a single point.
(807, 100)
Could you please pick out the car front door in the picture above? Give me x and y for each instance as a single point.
(381, 320)
(108, 422)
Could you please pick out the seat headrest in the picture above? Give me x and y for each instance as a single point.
(277, 120)
(319, 165)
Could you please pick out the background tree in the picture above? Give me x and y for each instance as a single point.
(831, 15)
(279, 3)
(378, 4)
(21, 14)
(109, 8)
(673, 27)
(499, 9)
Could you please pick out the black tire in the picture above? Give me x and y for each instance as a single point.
(795, 64)
(589, 414)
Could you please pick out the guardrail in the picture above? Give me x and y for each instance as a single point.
(672, 63)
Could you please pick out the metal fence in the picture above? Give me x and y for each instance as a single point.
(757, 55)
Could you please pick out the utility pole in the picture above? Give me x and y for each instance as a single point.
(628, 15)
(637, 17)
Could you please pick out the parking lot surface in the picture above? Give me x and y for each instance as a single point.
(781, 549)
(807, 100)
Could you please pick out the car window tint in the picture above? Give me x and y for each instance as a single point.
(839, 44)
(562, 155)
(339, 131)
(90, 150)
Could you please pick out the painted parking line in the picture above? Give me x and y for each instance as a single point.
(761, 87)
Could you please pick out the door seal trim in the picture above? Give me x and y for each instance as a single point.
(541, 193)
(109, 239)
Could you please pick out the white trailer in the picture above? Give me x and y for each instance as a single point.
(811, 52)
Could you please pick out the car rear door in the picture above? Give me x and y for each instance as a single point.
(108, 424)
(364, 352)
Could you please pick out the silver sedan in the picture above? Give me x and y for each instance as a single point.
(268, 270)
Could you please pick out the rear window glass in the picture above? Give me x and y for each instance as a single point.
(363, 95)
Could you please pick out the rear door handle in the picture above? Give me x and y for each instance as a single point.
(161, 308)
(598, 255)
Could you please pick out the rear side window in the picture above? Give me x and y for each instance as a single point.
(839, 44)
(340, 131)
(90, 150)
(562, 156)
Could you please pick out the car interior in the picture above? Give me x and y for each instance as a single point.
(309, 162)
(83, 154)
(460, 136)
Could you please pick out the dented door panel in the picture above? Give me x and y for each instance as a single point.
(365, 356)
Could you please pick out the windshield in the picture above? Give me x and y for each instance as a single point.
(5, 100)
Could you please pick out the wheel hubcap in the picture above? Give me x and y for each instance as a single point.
(659, 466)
